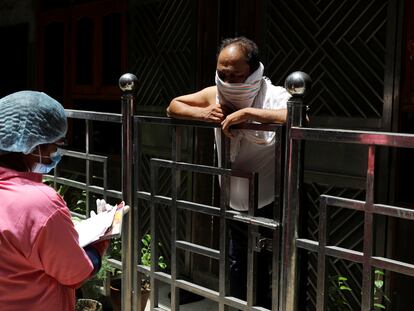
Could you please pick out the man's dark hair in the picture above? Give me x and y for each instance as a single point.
(247, 46)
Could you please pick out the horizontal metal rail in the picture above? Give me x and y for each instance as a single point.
(379, 209)
(94, 116)
(273, 127)
(83, 186)
(195, 248)
(197, 168)
(211, 210)
(354, 137)
(198, 289)
(84, 156)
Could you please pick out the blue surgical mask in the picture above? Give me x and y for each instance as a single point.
(46, 168)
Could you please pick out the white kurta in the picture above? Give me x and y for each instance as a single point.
(250, 156)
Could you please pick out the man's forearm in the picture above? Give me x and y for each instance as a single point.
(179, 110)
(266, 115)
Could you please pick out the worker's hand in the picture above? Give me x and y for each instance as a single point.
(236, 117)
(212, 113)
(102, 206)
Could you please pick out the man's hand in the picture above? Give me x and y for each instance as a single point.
(212, 113)
(253, 114)
(236, 117)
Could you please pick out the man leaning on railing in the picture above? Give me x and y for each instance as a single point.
(241, 94)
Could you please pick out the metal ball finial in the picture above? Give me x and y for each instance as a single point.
(128, 82)
(298, 83)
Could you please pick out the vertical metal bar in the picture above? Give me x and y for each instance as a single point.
(105, 179)
(368, 232)
(55, 175)
(322, 232)
(275, 268)
(224, 200)
(128, 85)
(212, 202)
(88, 164)
(107, 281)
(175, 155)
(138, 185)
(154, 239)
(252, 234)
(277, 209)
(297, 85)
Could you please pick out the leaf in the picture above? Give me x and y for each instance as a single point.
(379, 272)
(378, 283)
(378, 305)
(343, 287)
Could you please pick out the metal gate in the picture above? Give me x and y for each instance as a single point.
(174, 203)
(286, 290)
(285, 226)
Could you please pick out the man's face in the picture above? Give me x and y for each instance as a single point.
(232, 66)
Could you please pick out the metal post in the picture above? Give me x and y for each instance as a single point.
(128, 84)
(176, 173)
(224, 202)
(297, 84)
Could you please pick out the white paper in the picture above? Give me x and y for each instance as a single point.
(94, 227)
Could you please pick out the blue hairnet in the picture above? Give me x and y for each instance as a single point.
(29, 119)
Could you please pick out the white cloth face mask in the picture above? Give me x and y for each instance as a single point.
(240, 95)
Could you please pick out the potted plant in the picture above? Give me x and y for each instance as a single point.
(145, 281)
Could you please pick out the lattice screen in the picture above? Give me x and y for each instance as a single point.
(340, 43)
(162, 55)
(162, 50)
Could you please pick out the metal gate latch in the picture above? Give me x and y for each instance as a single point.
(261, 243)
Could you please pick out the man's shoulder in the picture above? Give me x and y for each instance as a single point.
(211, 89)
(210, 93)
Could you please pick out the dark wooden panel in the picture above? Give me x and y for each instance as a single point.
(341, 44)
(162, 54)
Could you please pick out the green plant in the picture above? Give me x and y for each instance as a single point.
(339, 287)
(115, 249)
(337, 291)
(380, 299)
(146, 258)
(146, 253)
